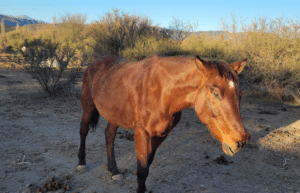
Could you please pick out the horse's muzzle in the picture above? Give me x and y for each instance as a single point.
(230, 150)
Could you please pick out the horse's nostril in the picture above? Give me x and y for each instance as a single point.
(240, 144)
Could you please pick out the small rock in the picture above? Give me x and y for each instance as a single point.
(28, 185)
(82, 168)
(201, 188)
(118, 177)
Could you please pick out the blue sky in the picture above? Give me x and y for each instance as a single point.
(207, 13)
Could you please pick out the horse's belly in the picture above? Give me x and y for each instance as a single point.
(114, 99)
(116, 111)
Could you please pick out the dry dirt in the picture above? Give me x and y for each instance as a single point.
(39, 144)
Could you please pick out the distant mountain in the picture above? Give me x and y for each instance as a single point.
(23, 17)
(21, 20)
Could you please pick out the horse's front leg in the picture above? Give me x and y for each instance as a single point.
(141, 141)
(145, 148)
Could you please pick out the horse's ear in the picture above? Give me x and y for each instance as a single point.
(238, 67)
(200, 63)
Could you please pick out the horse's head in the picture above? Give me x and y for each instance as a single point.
(217, 103)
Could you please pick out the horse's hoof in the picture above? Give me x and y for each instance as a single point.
(118, 177)
(82, 168)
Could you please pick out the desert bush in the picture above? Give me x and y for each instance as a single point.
(113, 33)
(145, 46)
(4, 42)
(206, 46)
(272, 47)
(37, 52)
(69, 30)
(72, 30)
(163, 42)
(16, 39)
(181, 30)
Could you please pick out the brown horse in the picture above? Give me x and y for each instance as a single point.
(149, 97)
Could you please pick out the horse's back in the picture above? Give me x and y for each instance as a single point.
(101, 65)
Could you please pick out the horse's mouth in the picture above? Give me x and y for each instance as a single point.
(229, 151)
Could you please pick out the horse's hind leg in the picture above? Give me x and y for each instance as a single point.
(110, 135)
(90, 115)
(89, 118)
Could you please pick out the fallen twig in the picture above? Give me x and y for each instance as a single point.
(285, 162)
(24, 163)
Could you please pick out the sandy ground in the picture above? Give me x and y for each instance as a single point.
(39, 144)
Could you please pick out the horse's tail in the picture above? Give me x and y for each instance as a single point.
(94, 120)
(90, 114)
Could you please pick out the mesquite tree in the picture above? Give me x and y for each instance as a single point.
(39, 56)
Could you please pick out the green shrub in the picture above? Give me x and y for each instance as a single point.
(207, 46)
(147, 45)
(113, 33)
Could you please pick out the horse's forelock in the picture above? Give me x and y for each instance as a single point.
(225, 70)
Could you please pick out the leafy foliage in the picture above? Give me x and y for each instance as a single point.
(207, 46)
(114, 33)
(147, 45)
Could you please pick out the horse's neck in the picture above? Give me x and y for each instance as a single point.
(183, 89)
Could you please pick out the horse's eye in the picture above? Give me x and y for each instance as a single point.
(216, 94)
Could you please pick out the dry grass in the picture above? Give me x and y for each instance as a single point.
(8, 60)
(272, 48)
